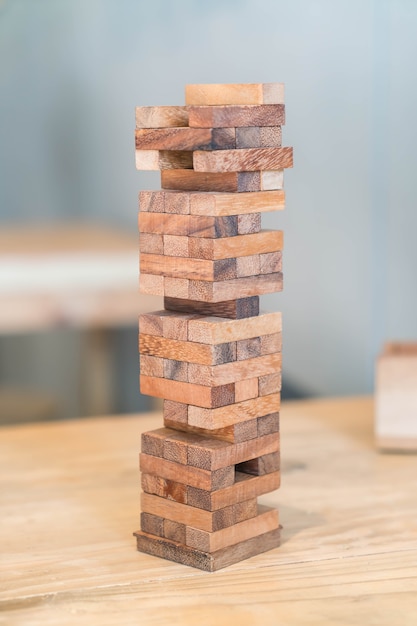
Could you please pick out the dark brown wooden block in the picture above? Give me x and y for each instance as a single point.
(236, 115)
(233, 309)
(264, 464)
(153, 160)
(172, 369)
(210, 562)
(268, 424)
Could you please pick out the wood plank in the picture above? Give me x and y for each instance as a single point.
(188, 268)
(214, 330)
(236, 433)
(184, 138)
(238, 247)
(236, 115)
(248, 348)
(151, 243)
(220, 291)
(165, 324)
(189, 180)
(232, 414)
(222, 94)
(161, 116)
(188, 225)
(269, 383)
(259, 137)
(267, 519)
(151, 365)
(188, 393)
(151, 160)
(175, 245)
(268, 424)
(236, 204)
(270, 343)
(164, 488)
(249, 223)
(236, 371)
(246, 389)
(192, 476)
(210, 562)
(151, 284)
(189, 351)
(244, 160)
(176, 287)
(234, 309)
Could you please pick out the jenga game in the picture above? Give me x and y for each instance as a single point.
(211, 354)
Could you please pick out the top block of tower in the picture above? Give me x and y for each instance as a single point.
(257, 93)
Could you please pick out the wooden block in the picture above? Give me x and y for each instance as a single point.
(161, 117)
(176, 202)
(174, 370)
(152, 201)
(245, 160)
(270, 262)
(396, 397)
(236, 433)
(176, 287)
(268, 424)
(229, 247)
(265, 520)
(241, 370)
(164, 488)
(234, 309)
(188, 268)
(189, 180)
(152, 442)
(245, 487)
(215, 330)
(150, 243)
(248, 348)
(209, 562)
(192, 516)
(259, 137)
(179, 139)
(165, 323)
(193, 476)
(174, 245)
(271, 343)
(248, 266)
(271, 180)
(151, 366)
(246, 389)
(236, 115)
(269, 383)
(218, 94)
(151, 284)
(176, 412)
(174, 531)
(152, 524)
(189, 351)
(248, 223)
(236, 204)
(188, 225)
(188, 393)
(235, 413)
(232, 289)
(264, 464)
(151, 160)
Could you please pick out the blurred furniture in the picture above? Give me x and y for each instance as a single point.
(71, 502)
(83, 276)
(396, 397)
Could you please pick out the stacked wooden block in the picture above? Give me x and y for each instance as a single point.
(211, 354)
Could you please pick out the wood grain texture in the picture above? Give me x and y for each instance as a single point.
(236, 371)
(233, 414)
(214, 330)
(244, 160)
(246, 389)
(189, 225)
(207, 561)
(233, 309)
(190, 351)
(264, 464)
(224, 290)
(151, 160)
(249, 223)
(164, 488)
(259, 137)
(238, 247)
(221, 94)
(189, 180)
(236, 115)
(188, 393)
(161, 116)
(184, 138)
(188, 268)
(236, 204)
(151, 284)
(189, 475)
(151, 243)
(267, 519)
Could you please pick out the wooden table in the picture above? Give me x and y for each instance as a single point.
(70, 501)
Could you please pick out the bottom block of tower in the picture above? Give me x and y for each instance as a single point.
(208, 561)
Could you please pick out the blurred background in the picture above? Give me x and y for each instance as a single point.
(71, 73)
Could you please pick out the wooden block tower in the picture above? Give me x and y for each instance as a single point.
(211, 354)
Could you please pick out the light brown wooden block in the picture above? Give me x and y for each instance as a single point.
(246, 389)
(235, 247)
(161, 117)
(188, 393)
(248, 266)
(151, 284)
(174, 245)
(245, 487)
(234, 309)
(271, 343)
(266, 520)
(174, 370)
(270, 262)
(189, 180)
(259, 137)
(175, 447)
(236, 433)
(176, 412)
(150, 243)
(231, 289)
(215, 330)
(236, 371)
(248, 348)
(268, 424)
(176, 202)
(250, 93)
(152, 201)
(188, 268)
(187, 350)
(270, 383)
(175, 287)
(168, 139)
(236, 115)
(244, 160)
(164, 488)
(151, 366)
(193, 476)
(152, 442)
(264, 464)
(151, 160)
(236, 204)
(238, 412)
(189, 225)
(209, 562)
(165, 323)
(248, 223)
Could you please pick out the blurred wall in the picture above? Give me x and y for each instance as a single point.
(72, 71)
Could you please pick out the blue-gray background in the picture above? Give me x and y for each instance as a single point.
(72, 71)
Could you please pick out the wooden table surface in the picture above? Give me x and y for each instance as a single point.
(70, 501)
